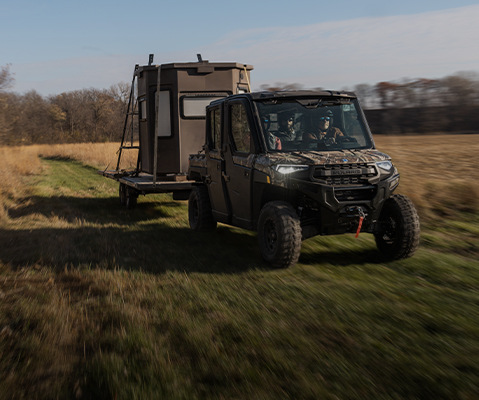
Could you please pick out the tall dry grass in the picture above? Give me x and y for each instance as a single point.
(20, 162)
(98, 155)
(17, 163)
(438, 172)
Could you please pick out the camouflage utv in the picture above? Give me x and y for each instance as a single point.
(292, 165)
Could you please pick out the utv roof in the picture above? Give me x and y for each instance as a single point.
(299, 93)
(289, 94)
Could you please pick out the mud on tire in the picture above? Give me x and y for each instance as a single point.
(398, 230)
(279, 234)
(199, 210)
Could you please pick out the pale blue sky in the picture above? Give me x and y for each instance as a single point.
(55, 46)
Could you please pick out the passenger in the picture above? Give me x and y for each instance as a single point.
(325, 129)
(353, 127)
(286, 131)
(273, 142)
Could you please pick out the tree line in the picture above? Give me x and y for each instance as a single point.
(447, 105)
(87, 115)
(420, 106)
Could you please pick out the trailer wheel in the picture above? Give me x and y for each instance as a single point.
(398, 230)
(122, 193)
(131, 198)
(279, 234)
(199, 210)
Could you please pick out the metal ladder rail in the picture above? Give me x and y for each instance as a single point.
(131, 112)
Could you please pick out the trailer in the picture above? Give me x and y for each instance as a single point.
(289, 164)
(165, 123)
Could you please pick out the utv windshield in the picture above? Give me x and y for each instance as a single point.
(324, 124)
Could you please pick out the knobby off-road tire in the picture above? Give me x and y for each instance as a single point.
(279, 234)
(398, 230)
(199, 210)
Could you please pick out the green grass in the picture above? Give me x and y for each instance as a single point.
(100, 302)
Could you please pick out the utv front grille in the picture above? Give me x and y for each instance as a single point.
(356, 194)
(344, 174)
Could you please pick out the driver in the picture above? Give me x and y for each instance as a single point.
(325, 129)
(286, 131)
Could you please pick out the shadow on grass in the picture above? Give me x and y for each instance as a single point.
(154, 248)
(62, 158)
(102, 210)
(120, 242)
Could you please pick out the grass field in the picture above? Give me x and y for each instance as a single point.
(100, 302)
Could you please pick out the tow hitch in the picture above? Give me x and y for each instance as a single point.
(361, 219)
(353, 213)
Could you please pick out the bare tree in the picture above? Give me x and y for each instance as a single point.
(6, 81)
(366, 94)
(6, 78)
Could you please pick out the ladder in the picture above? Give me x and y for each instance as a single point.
(131, 120)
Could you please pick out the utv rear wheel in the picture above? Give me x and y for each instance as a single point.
(398, 231)
(199, 210)
(279, 234)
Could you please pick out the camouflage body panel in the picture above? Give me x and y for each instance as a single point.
(245, 162)
(266, 162)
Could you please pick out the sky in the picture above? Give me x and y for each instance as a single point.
(55, 46)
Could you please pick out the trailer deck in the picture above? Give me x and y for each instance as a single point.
(144, 183)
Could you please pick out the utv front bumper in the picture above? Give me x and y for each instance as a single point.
(332, 199)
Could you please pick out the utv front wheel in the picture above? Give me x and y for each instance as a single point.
(199, 210)
(279, 234)
(397, 233)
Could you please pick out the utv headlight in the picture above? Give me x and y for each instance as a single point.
(386, 166)
(288, 169)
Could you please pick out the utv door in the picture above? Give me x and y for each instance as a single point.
(238, 162)
(216, 166)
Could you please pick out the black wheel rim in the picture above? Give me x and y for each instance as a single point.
(389, 230)
(270, 235)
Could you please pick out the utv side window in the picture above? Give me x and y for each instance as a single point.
(214, 133)
(217, 128)
(240, 128)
